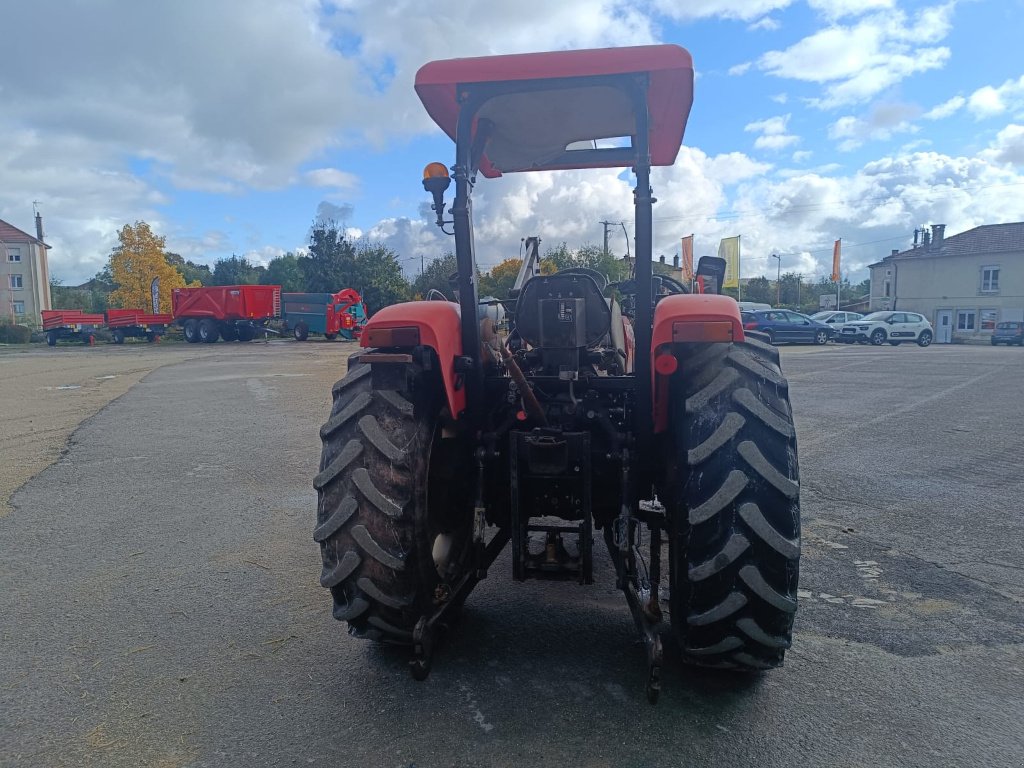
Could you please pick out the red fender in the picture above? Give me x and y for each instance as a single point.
(687, 318)
(439, 329)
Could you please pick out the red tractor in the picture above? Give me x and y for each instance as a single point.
(639, 409)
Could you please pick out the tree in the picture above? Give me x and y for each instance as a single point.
(334, 263)
(331, 262)
(436, 275)
(192, 272)
(286, 272)
(500, 280)
(760, 290)
(589, 257)
(67, 297)
(236, 270)
(135, 262)
(379, 277)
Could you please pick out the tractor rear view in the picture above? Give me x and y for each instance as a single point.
(638, 410)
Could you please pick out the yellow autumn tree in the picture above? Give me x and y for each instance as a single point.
(134, 263)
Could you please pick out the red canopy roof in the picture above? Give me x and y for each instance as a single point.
(532, 128)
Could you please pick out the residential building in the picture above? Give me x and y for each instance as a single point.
(24, 274)
(964, 284)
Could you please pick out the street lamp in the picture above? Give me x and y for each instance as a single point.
(778, 280)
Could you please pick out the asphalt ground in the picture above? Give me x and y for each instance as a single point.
(159, 603)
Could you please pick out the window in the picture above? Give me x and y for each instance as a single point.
(988, 319)
(911, 318)
(965, 319)
(888, 288)
(16, 284)
(14, 254)
(990, 279)
(18, 307)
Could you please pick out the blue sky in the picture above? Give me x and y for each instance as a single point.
(228, 126)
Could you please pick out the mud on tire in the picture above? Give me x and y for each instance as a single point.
(373, 526)
(732, 492)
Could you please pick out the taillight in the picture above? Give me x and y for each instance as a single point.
(751, 326)
(392, 337)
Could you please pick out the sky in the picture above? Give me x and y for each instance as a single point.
(230, 125)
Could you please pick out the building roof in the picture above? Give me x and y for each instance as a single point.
(988, 238)
(11, 234)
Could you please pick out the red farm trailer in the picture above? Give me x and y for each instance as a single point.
(70, 323)
(229, 312)
(137, 323)
(328, 314)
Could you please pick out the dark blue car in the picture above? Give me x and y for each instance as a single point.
(784, 326)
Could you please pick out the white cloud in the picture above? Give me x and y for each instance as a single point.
(988, 101)
(780, 98)
(884, 120)
(331, 177)
(740, 69)
(745, 10)
(945, 109)
(802, 155)
(855, 63)
(836, 9)
(773, 133)
(1008, 146)
(766, 23)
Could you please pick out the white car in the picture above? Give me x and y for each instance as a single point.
(893, 327)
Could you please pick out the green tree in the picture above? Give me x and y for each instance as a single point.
(379, 277)
(436, 275)
(193, 273)
(330, 264)
(589, 257)
(759, 289)
(68, 297)
(236, 270)
(286, 272)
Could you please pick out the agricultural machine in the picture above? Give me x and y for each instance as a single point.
(229, 312)
(328, 314)
(638, 409)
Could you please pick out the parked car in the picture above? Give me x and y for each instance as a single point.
(784, 326)
(893, 327)
(836, 318)
(1009, 332)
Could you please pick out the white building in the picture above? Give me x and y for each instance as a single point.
(964, 284)
(24, 274)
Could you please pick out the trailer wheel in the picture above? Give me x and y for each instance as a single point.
(330, 336)
(191, 331)
(51, 338)
(394, 510)
(732, 492)
(208, 331)
(228, 332)
(117, 335)
(300, 331)
(151, 336)
(246, 333)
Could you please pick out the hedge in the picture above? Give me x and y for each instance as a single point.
(15, 334)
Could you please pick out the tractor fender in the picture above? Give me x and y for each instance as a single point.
(438, 323)
(687, 318)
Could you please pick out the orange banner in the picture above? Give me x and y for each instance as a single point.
(687, 265)
(835, 260)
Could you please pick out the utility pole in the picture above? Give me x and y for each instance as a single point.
(778, 280)
(421, 264)
(607, 224)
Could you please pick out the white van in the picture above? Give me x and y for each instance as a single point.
(752, 306)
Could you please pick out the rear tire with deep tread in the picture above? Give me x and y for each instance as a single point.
(732, 492)
(374, 531)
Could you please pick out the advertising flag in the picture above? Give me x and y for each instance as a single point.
(835, 260)
(687, 265)
(154, 291)
(729, 249)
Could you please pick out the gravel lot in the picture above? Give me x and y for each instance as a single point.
(160, 606)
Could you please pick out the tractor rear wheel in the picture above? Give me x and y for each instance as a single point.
(394, 512)
(732, 492)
